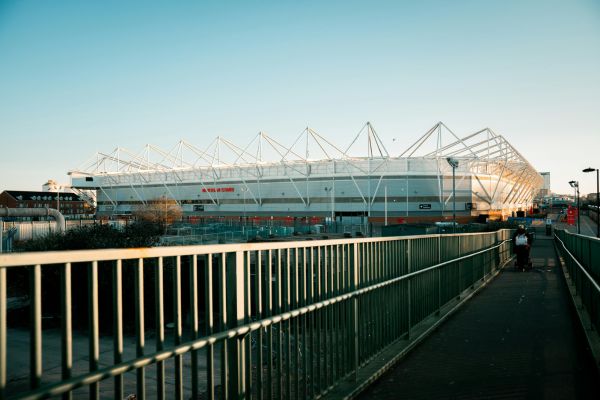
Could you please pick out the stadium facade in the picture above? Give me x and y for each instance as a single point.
(316, 178)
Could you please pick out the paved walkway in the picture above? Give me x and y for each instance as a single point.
(518, 339)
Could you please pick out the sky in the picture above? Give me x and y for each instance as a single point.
(80, 77)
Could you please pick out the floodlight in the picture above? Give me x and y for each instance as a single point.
(453, 162)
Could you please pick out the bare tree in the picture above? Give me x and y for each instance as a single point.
(162, 211)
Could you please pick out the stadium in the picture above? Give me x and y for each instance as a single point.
(314, 178)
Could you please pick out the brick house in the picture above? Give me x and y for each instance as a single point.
(69, 204)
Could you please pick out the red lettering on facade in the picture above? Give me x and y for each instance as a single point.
(218, 190)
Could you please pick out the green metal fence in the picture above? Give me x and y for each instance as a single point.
(582, 258)
(263, 320)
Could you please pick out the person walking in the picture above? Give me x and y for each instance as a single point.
(522, 241)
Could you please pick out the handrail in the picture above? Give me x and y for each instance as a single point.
(590, 278)
(410, 275)
(75, 256)
(323, 295)
(242, 330)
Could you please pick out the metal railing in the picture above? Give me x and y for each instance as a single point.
(261, 320)
(582, 258)
(206, 238)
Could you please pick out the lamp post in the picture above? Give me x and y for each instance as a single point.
(575, 185)
(244, 193)
(164, 200)
(331, 194)
(454, 164)
(597, 198)
(385, 211)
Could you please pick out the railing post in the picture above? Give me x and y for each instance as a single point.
(118, 325)
(210, 322)
(35, 340)
(237, 305)
(66, 326)
(160, 327)
(2, 332)
(439, 275)
(408, 285)
(459, 268)
(194, 321)
(139, 326)
(354, 262)
(247, 318)
(94, 326)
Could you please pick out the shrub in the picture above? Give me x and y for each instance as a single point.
(137, 234)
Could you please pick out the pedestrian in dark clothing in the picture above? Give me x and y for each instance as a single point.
(522, 241)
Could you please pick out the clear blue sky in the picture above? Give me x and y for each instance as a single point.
(77, 77)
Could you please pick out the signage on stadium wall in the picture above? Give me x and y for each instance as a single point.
(218, 190)
(424, 206)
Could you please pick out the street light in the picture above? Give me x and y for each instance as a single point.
(575, 185)
(597, 198)
(244, 193)
(385, 207)
(454, 164)
(331, 195)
